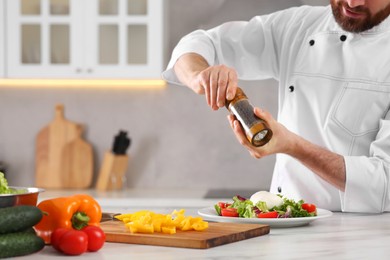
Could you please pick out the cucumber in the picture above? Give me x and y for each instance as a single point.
(18, 218)
(20, 243)
(30, 230)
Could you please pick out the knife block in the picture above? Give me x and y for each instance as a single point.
(112, 172)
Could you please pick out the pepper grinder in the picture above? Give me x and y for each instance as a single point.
(257, 131)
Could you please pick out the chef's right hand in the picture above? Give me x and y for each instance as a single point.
(217, 83)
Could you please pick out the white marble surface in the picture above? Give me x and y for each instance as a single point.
(341, 236)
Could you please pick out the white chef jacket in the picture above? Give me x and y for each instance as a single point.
(334, 91)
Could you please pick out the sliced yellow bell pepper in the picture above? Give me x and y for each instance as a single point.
(168, 230)
(146, 221)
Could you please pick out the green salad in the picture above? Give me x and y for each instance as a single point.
(265, 205)
(5, 189)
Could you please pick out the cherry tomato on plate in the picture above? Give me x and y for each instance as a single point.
(223, 205)
(309, 207)
(96, 237)
(229, 212)
(272, 214)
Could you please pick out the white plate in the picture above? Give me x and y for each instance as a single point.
(210, 214)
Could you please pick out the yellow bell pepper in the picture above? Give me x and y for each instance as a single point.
(149, 222)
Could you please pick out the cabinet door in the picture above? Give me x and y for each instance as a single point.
(124, 38)
(2, 39)
(42, 38)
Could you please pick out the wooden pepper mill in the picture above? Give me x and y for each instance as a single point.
(257, 131)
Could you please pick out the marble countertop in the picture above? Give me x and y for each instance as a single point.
(340, 236)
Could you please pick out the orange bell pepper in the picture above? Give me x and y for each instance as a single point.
(74, 212)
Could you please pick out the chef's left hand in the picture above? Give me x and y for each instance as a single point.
(281, 142)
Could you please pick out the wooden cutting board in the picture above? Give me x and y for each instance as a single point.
(77, 163)
(50, 143)
(217, 234)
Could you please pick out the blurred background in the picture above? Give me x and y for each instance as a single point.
(176, 140)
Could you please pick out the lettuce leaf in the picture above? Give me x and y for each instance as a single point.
(217, 209)
(262, 205)
(292, 209)
(244, 207)
(4, 189)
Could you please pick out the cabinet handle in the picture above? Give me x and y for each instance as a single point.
(79, 70)
(89, 70)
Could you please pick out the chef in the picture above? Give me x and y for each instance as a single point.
(332, 133)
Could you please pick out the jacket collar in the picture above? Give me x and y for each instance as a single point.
(384, 26)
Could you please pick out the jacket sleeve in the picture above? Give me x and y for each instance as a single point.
(254, 48)
(367, 178)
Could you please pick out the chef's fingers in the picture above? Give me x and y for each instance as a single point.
(223, 81)
(199, 85)
(232, 85)
(231, 119)
(240, 135)
(265, 115)
(214, 79)
(238, 131)
(203, 80)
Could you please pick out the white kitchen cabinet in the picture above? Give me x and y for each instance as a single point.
(84, 39)
(2, 40)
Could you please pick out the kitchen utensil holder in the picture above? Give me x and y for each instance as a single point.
(112, 174)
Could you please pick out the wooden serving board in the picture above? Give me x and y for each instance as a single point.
(217, 234)
(77, 163)
(50, 142)
(63, 159)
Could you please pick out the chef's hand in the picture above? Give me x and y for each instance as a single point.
(281, 140)
(217, 83)
(326, 164)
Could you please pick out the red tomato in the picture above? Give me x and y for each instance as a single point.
(96, 237)
(56, 237)
(309, 207)
(229, 212)
(223, 205)
(73, 242)
(272, 214)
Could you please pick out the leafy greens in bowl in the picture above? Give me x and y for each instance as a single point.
(12, 196)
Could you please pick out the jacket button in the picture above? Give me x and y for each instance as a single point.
(279, 189)
(343, 38)
(291, 88)
(311, 42)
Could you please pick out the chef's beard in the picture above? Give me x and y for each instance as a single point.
(357, 25)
